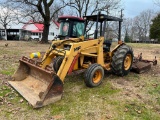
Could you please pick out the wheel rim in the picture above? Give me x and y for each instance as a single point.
(97, 76)
(127, 61)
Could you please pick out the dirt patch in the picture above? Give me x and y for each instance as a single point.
(129, 90)
(155, 71)
(4, 79)
(155, 51)
(76, 89)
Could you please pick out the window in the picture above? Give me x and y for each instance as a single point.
(39, 35)
(64, 26)
(3, 33)
(35, 34)
(78, 28)
(51, 33)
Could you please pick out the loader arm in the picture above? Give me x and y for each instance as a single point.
(74, 49)
(47, 58)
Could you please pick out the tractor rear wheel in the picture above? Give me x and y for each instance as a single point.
(122, 60)
(94, 75)
(57, 63)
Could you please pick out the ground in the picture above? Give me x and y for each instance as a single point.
(132, 97)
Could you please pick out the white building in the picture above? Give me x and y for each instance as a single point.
(29, 31)
(53, 30)
(35, 30)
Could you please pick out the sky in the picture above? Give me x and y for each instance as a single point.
(133, 8)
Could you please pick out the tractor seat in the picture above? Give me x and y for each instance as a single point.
(107, 45)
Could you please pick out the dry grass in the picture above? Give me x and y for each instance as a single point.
(131, 97)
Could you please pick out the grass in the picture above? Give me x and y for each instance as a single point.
(83, 108)
(155, 90)
(84, 102)
(139, 45)
(8, 72)
(132, 97)
(4, 90)
(132, 77)
(8, 69)
(139, 111)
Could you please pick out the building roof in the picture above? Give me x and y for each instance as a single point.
(56, 23)
(39, 26)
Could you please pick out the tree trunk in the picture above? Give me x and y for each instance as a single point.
(5, 33)
(45, 33)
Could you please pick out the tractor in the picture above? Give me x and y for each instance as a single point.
(40, 84)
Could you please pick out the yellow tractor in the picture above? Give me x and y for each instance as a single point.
(41, 84)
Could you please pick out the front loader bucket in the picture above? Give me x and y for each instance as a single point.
(38, 86)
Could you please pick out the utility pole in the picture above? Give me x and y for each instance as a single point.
(120, 24)
(107, 27)
(121, 13)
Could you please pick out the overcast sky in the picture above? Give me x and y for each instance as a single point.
(133, 8)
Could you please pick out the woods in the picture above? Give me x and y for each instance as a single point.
(155, 28)
(139, 26)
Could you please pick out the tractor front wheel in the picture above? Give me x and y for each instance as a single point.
(94, 75)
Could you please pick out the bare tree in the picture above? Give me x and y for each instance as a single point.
(157, 2)
(111, 30)
(129, 28)
(138, 27)
(82, 8)
(138, 23)
(89, 7)
(6, 17)
(38, 11)
(142, 22)
(127, 24)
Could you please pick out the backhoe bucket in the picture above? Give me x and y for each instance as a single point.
(38, 86)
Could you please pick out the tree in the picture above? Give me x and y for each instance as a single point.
(38, 11)
(138, 23)
(155, 28)
(89, 7)
(157, 2)
(82, 8)
(142, 22)
(138, 27)
(127, 27)
(127, 38)
(6, 17)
